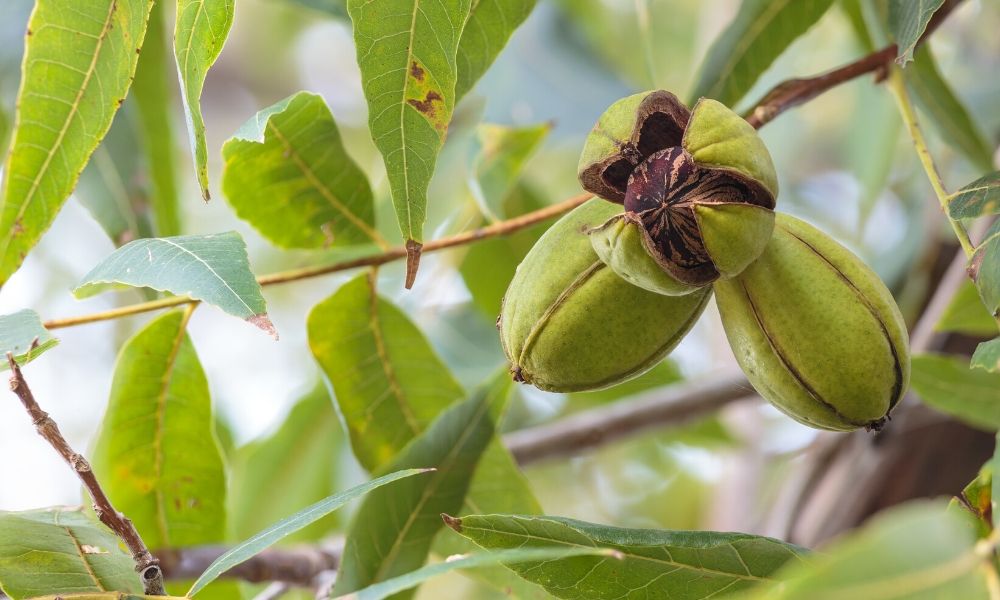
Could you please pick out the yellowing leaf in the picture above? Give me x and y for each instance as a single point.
(406, 51)
(388, 382)
(78, 65)
(156, 454)
(288, 174)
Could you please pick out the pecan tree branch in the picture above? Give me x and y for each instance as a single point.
(146, 564)
(297, 566)
(675, 405)
(794, 92)
(498, 229)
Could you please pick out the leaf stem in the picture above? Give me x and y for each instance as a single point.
(898, 88)
(392, 254)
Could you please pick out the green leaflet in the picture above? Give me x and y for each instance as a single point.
(154, 120)
(111, 186)
(294, 467)
(949, 385)
(679, 565)
(987, 356)
(406, 51)
(287, 174)
(979, 198)
(994, 465)
(18, 332)
(79, 61)
(212, 268)
(393, 529)
(502, 153)
(305, 517)
(200, 31)
(388, 382)
(985, 269)
(156, 454)
(489, 265)
(478, 560)
(490, 24)
(907, 21)
(919, 551)
(390, 385)
(761, 31)
(949, 115)
(966, 313)
(61, 551)
(976, 500)
(497, 486)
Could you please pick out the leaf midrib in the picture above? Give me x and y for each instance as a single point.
(74, 108)
(402, 117)
(213, 271)
(383, 357)
(79, 551)
(625, 553)
(323, 190)
(161, 405)
(429, 491)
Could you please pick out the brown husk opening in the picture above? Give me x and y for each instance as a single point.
(660, 122)
(661, 196)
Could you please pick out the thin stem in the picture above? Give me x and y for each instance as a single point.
(392, 254)
(898, 87)
(146, 564)
(794, 92)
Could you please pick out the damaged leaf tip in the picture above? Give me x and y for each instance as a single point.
(413, 252)
(452, 522)
(264, 323)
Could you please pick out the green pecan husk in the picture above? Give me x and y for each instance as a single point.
(816, 331)
(569, 323)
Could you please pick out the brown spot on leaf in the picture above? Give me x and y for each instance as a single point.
(426, 106)
(452, 522)
(974, 265)
(328, 237)
(416, 71)
(18, 228)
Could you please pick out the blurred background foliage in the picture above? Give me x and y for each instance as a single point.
(843, 159)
